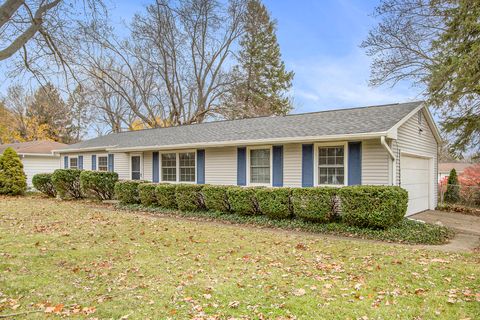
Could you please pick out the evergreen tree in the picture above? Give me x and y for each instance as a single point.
(48, 116)
(452, 195)
(13, 180)
(261, 81)
(453, 84)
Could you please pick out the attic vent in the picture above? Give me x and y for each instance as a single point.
(420, 118)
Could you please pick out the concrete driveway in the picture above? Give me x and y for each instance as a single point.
(467, 228)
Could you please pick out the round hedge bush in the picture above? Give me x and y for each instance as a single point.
(146, 192)
(67, 183)
(188, 197)
(274, 202)
(98, 184)
(314, 203)
(43, 183)
(242, 200)
(377, 207)
(126, 191)
(165, 195)
(215, 198)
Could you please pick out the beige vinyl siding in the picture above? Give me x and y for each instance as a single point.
(374, 163)
(148, 166)
(411, 140)
(38, 164)
(122, 165)
(292, 165)
(221, 166)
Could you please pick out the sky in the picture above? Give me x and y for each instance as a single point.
(319, 41)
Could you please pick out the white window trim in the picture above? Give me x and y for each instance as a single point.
(343, 144)
(70, 163)
(130, 164)
(270, 147)
(177, 161)
(97, 166)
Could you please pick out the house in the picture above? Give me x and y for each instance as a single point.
(392, 144)
(36, 156)
(445, 168)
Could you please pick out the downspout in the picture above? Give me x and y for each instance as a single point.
(392, 157)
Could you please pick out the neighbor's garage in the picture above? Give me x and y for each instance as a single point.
(416, 179)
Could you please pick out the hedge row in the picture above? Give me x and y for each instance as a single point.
(76, 184)
(363, 206)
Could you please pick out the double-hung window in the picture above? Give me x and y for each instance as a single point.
(169, 167)
(102, 163)
(178, 167)
(331, 165)
(187, 166)
(73, 163)
(260, 166)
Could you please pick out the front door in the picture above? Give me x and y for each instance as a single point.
(136, 167)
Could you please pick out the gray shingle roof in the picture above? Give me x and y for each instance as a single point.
(324, 123)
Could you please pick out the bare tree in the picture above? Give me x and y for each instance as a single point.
(35, 33)
(170, 71)
(401, 43)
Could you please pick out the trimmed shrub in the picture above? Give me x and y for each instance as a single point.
(98, 184)
(215, 198)
(146, 192)
(274, 202)
(13, 180)
(67, 183)
(165, 195)
(43, 183)
(242, 200)
(188, 197)
(314, 203)
(126, 191)
(373, 206)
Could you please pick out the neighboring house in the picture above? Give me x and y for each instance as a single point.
(380, 145)
(36, 156)
(445, 168)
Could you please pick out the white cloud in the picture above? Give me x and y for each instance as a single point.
(336, 82)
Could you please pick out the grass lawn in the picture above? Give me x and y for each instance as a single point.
(72, 258)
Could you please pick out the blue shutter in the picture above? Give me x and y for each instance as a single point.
(80, 162)
(200, 166)
(94, 162)
(277, 166)
(111, 162)
(155, 167)
(307, 165)
(242, 166)
(354, 163)
(65, 162)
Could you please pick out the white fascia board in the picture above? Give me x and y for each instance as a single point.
(360, 136)
(392, 132)
(104, 148)
(39, 154)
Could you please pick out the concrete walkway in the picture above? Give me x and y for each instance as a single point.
(467, 228)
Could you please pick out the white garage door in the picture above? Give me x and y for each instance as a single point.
(415, 178)
(37, 164)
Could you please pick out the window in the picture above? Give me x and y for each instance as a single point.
(187, 167)
(73, 163)
(331, 165)
(102, 163)
(169, 167)
(260, 166)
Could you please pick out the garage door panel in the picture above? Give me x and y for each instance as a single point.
(414, 163)
(415, 178)
(416, 190)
